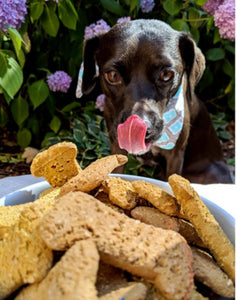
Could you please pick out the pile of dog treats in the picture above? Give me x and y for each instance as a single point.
(94, 236)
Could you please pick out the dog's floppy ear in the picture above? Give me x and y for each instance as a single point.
(89, 78)
(194, 61)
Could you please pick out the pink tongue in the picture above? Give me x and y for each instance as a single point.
(131, 135)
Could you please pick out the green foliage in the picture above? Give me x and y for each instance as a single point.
(52, 39)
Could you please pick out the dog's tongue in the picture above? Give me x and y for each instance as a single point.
(131, 135)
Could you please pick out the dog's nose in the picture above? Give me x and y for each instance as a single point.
(154, 130)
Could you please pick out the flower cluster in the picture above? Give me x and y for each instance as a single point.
(59, 81)
(147, 5)
(100, 101)
(96, 28)
(123, 20)
(224, 16)
(211, 6)
(12, 13)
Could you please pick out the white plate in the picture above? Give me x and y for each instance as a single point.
(31, 193)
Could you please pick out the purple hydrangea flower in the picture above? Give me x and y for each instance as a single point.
(211, 6)
(59, 81)
(96, 28)
(147, 5)
(123, 20)
(225, 19)
(100, 101)
(12, 13)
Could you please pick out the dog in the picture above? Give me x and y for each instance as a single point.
(143, 65)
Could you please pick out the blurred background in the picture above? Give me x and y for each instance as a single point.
(41, 45)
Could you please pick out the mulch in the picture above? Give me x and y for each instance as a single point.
(10, 148)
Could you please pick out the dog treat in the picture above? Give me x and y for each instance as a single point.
(134, 291)
(141, 249)
(121, 192)
(93, 175)
(209, 273)
(194, 295)
(73, 277)
(156, 218)
(109, 279)
(9, 215)
(24, 256)
(205, 224)
(157, 197)
(57, 164)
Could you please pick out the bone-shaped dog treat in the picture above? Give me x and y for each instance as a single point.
(122, 242)
(93, 175)
(24, 256)
(208, 272)
(73, 277)
(134, 291)
(205, 224)
(157, 197)
(121, 192)
(57, 164)
(153, 216)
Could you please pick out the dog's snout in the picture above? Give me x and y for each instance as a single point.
(154, 130)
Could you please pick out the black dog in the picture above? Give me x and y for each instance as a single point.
(142, 65)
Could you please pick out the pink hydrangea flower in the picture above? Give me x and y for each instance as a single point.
(96, 28)
(100, 101)
(60, 81)
(123, 20)
(211, 6)
(225, 19)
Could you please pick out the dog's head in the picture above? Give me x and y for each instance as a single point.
(141, 66)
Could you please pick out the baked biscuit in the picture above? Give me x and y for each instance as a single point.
(24, 256)
(157, 197)
(123, 242)
(57, 164)
(153, 216)
(10, 215)
(205, 224)
(121, 192)
(133, 291)
(93, 175)
(209, 273)
(73, 277)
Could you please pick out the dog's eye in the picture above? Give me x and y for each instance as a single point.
(113, 77)
(166, 75)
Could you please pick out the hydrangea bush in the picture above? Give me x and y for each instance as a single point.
(41, 45)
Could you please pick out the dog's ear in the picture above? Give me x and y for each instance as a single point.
(89, 78)
(193, 59)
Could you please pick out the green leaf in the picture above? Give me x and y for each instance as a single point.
(3, 64)
(113, 6)
(67, 14)
(193, 17)
(20, 110)
(200, 2)
(71, 106)
(24, 137)
(38, 92)
(180, 25)
(215, 54)
(16, 39)
(36, 10)
(172, 7)
(12, 80)
(55, 124)
(50, 21)
(3, 117)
